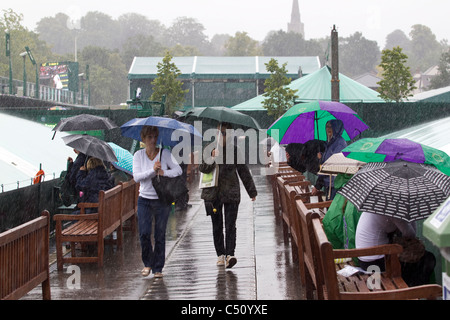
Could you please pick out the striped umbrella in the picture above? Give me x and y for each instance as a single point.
(124, 158)
(307, 121)
(400, 189)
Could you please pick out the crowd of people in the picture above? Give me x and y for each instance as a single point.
(87, 176)
(345, 226)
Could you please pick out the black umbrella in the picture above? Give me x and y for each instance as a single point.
(84, 122)
(91, 146)
(214, 115)
(405, 190)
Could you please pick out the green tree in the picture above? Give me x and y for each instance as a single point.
(397, 82)
(166, 83)
(278, 97)
(425, 49)
(108, 75)
(242, 45)
(358, 55)
(187, 32)
(443, 78)
(20, 37)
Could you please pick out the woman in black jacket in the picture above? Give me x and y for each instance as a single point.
(93, 178)
(223, 200)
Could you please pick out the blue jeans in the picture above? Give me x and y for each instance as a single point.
(153, 257)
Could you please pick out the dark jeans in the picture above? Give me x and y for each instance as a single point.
(153, 257)
(379, 263)
(230, 211)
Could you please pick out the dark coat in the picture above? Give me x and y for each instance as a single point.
(90, 183)
(228, 190)
(303, 156)
(74, 167)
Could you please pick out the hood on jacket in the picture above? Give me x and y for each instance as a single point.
(338, 129)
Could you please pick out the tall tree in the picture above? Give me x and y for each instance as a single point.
(242, 45)
(166, 83)
(443, 78)
(108, 75)
(397, 82)
(397, 38)
(425, 49)
(20, 37)
(358, 55)
(278, 98)
(187, 32)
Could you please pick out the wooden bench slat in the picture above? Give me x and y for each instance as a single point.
(355, 287)
(24, 259)
(115, 206)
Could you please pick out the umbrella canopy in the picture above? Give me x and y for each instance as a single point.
(221, 114)
(386, 150)
(166, 126)
(307, 121)
(400, 189)
(91, 146)
(338, 163)
(124, 158)
(84, 122)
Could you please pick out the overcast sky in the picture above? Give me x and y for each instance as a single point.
(375, 19)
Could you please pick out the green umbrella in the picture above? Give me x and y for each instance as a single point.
(214, 115)
(387, 150)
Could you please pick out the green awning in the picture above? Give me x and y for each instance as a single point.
(223, 67)
(317, 86)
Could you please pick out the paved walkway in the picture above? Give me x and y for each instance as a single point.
(264, 270)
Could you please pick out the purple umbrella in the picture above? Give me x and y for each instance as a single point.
(307, 121)
(387, 150)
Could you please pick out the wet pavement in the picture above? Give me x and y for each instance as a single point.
(264, 271)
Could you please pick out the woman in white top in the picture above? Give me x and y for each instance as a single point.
(146, 165)
(375, 229)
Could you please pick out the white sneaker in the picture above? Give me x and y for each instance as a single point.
(231, 261)
(221, 260)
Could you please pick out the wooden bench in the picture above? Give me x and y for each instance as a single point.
(337, 287)
(311, 269)
(24, 259)
(288, 176)
(130, 193)
(293, 191)
(285, 205)
(93, 227)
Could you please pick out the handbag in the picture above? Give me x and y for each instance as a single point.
(169, 190)
(211, 179)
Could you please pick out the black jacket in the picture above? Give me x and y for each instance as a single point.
(90, 183)
(228, 190)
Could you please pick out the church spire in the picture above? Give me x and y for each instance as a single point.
(296, 24)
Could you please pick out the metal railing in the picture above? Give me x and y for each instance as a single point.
(5, 187)
(45, 92)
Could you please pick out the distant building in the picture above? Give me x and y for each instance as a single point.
(369, 79)
(296, 24)
(217, 81)
(423, 80)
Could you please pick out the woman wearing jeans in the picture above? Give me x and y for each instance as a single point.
(146, 165)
